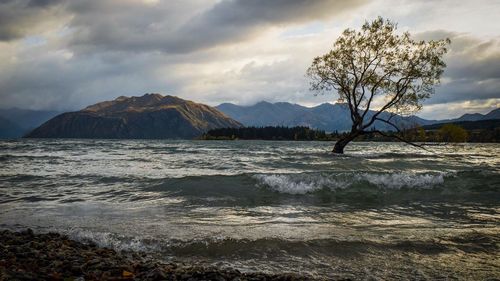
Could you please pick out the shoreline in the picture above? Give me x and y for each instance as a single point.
(52, 256)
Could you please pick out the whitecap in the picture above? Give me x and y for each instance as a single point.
(284, 184)
(298, 183)
(402, 179)
(309, 183)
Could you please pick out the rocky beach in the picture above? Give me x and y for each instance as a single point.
(51, 256)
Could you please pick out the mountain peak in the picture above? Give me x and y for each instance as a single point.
(153, 96)
(263, 103)
(148, 116)
(149, 96)
(120, 98)
(325, 105)
(156, 95)
(146, 102)
(494, 114)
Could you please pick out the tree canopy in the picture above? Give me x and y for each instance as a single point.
(376, 65)
(453, 133)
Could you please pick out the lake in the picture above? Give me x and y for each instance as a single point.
(382, 210)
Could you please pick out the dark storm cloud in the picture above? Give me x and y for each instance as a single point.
(54, 82)
(62, 54)
(103, 33)
(116, 27)
(43, 3)
(473, 68)
(474, 59)
(466, 89)
(230, 21)
(19, 18)
(469, 57)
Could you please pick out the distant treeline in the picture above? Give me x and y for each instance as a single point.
(267, 133)
(487, 132)
(464, 131)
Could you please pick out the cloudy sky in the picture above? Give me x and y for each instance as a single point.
(67, 54)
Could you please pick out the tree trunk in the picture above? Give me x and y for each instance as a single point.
(342, 142)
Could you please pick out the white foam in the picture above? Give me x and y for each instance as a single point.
(308, 183)
(284, 184)
(400, 180)
(298, 183)
(110, 240)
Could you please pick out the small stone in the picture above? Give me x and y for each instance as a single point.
(75, 269)
(157, 274)
(127, 274)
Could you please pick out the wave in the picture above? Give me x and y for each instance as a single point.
(254, 189)
(307, 183)
(274, 246)
(346, 258)
(323, 187)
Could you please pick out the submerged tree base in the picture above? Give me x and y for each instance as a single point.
(342, 142)
(337, 149)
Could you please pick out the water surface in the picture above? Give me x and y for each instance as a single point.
(383, 210)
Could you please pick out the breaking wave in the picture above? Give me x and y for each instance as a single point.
(307, 183)
(112, 240)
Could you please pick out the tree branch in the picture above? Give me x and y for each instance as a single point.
(399, 94)
(390, 123)
(400, 139)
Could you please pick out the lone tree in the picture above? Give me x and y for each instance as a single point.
(377, 65)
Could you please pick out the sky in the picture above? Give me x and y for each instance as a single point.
(67, 54)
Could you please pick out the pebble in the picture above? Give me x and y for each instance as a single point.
(26, 255)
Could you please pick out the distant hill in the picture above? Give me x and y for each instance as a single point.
(494, 114)
(9, 129)
(468, 117)
(327, 117)
(487, 124)
(151, 116)
(24, 120)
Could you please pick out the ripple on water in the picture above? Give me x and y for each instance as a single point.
(383, 210)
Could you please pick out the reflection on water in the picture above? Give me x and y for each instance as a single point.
(386, 211)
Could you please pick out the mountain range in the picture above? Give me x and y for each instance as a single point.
(492, 115)
(151, 116)
(157, 116)
(327, 116)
